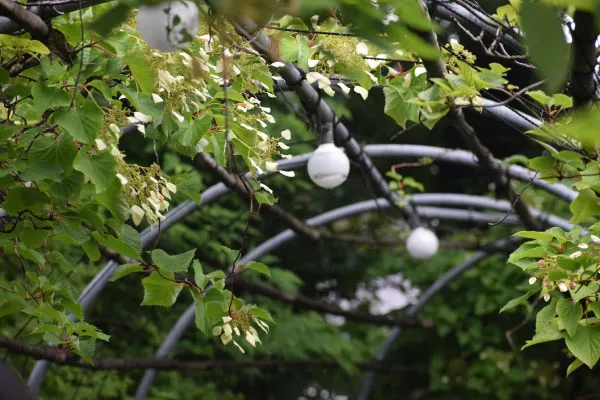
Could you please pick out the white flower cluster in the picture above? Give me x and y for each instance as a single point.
(226, 331)
(152, 205)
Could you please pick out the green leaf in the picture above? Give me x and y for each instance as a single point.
(176, 263)
(159, 291)
(517, 302)
(543, 236)
(585, 205)
(585, 344)
(199, 276)
(545, 39)
(191, 134)
(595, 308)
(262, 314)
(574, 366)
(25, 198)
(45, 97)
(141, 71)
(132, 237)
(117, 245)
(11, 307)
(259, 267)
(126, 269)
(82, 123)
(100, 168)
(583, 291)
(200, 317)
(569, 314)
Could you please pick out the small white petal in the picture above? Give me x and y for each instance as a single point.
(141, 128)
(582, 246)
(240, 348)
(271, 166)
(287, 134)
(345, 89)
(532, 280)
(156, 98)
(562, 287)
(123, 180)
(575, 255)
(420, 71)
(289, 174)
(114, 128)
(178, 116)
(362, 91)
(100, 144)
(283, 146)
(171, 187)
(142, 117)
(265, 187)
(137, 214)
(277, 64)
(329, 91)
(547, 297)
(362, 49)
(217, 330)
(595, 238)
(313, 63)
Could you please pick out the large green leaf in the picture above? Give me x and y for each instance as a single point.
(569, 314)
(45, 97)
(586, 204)
(546, 43)
(100, 168)
(126, 269)
(116, 244)
(82, 123)
(159, 291)
(25, 198)
(585, 344)
(141, 72)
(176, 263)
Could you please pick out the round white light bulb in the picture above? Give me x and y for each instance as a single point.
(168, 26)
(328, 167)
(422, 244)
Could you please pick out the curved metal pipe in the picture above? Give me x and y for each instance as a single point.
(186, 319)
(440, 154)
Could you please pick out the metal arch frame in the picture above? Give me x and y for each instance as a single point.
(213, 193)
(186, 319)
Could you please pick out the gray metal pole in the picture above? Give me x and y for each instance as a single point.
(186, 319)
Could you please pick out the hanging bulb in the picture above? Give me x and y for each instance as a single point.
(422, 244)
(168, 26)
(328, 167)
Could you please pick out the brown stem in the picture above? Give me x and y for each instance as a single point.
(59, 357)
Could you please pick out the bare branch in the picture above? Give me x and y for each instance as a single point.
(59, 357)
(206, 161)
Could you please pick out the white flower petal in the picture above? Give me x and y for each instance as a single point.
(287, 135)
(532, 280)
(362, 49)
(345, 89)
(271, 166)
(123, 180)
(277, 64)
(313, 63)
(362, 91)
(156, 98)
(289, 174)
(283, 146)
(100, 144)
